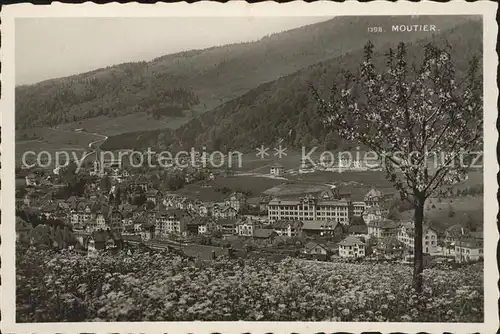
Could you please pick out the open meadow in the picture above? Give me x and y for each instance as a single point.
(220, 188)
(134, 122)
(49, 141)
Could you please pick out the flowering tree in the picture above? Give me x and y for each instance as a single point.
(421, 121)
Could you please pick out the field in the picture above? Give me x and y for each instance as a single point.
(295, 189)
(50, 149)
(357, 183)
(207, 191)
(56, 136)
(51, 141)
(464, 209)
(147, 287)
(127, 123)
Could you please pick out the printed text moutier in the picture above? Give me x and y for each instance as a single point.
(405, 28)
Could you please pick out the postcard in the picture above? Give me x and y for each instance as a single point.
(233, 167)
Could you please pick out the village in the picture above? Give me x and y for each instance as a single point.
(118, 208)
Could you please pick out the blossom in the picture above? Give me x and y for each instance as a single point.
(148, 287)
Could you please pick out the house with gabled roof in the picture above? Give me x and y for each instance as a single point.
(288, 228)
(82, 212)
(375, 197)
(138, 219)
(246, 227)
(193, 223)
(229, 212)
(208, 227)
(236, 201)
(352, 247)
(277, 169)
(468, 250)
(264, 234)
(154, 196)
(322, 228)
(381, 228)
(227, 226)
(391, 247)
(456, 232)
(316, 248)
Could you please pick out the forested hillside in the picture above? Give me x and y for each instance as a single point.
(112, 92)
(285, 109)
(200, 80)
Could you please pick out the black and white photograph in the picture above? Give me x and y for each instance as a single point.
(246, 167)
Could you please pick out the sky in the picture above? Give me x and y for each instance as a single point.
(49, 48)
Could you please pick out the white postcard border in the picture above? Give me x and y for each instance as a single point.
(243, 9)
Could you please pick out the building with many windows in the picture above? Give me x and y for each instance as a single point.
(171, 222)
(358, 208)
(406, 235)
(352, 247)
(383, 228)
(310, 208)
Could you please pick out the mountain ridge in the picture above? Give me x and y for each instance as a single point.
(209, 76)
(273, 109)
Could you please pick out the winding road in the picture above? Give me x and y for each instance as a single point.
(93, 145)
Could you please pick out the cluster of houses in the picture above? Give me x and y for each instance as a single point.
(358, 228)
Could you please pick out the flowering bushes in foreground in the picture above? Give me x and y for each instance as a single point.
(144, 287)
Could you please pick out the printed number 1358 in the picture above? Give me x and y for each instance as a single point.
(375, 29)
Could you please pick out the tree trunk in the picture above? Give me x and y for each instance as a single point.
(418, 261)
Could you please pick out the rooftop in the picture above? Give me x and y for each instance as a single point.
(351, 240)
(263, 232)
(320, 225)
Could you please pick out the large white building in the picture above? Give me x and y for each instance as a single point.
(309, 208)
